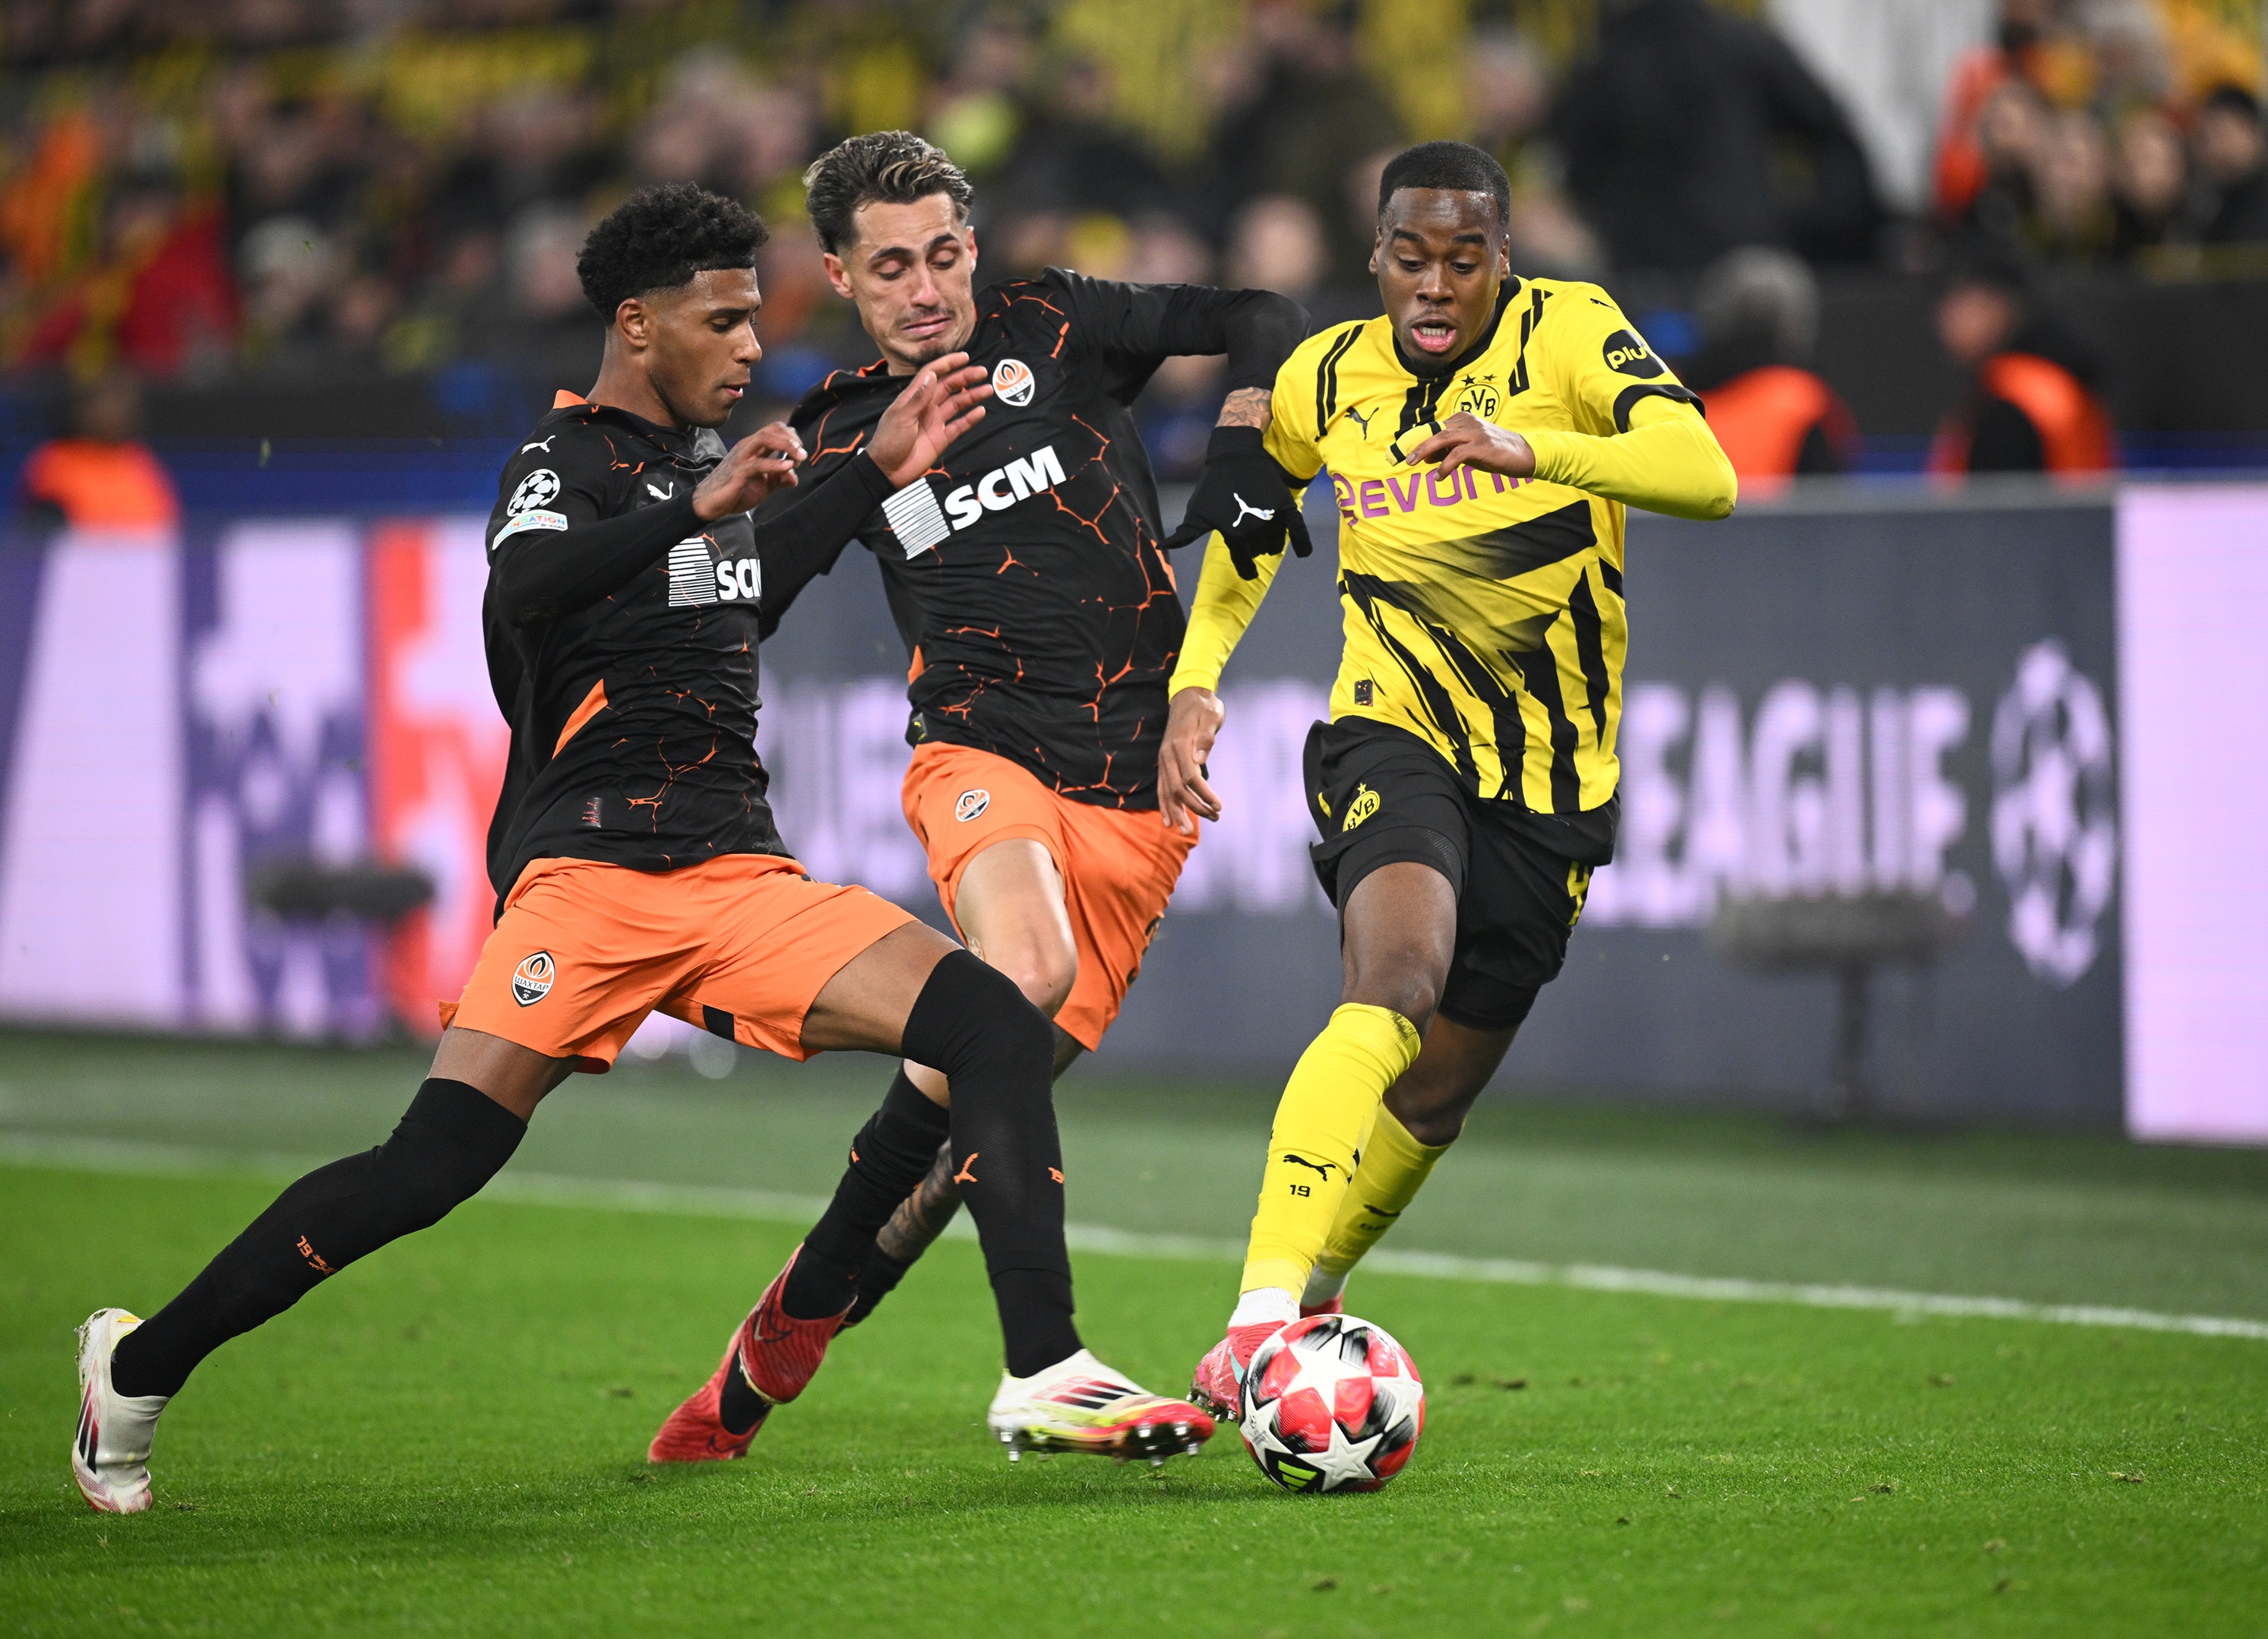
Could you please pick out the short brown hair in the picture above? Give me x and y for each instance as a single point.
(882, 167)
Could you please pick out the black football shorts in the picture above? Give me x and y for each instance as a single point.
(1381, 796)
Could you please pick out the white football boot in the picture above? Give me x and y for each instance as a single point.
(1081, 1404)
(110, 1455)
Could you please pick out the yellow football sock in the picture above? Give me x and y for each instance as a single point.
(1393, 1169)
(1333, 1094)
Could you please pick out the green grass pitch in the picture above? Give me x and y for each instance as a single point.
(450, 1437)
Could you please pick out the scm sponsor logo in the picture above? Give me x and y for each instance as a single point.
(1003, 487)
(740, 579)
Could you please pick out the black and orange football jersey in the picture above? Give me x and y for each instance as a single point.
(1024, 572)
(622, 645)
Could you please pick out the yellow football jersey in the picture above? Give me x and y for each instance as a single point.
(1485, 614)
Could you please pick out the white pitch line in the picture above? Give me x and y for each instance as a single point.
(116, 1155)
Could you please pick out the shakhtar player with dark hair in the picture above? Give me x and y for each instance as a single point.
(1025, 573)
(637, 868)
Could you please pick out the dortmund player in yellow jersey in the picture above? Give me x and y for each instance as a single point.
(1481, 437)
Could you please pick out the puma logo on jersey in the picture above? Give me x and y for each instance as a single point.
(659, 493)
(545, 445)
(1323, 1167)
(1245, 509)
(1360, 419)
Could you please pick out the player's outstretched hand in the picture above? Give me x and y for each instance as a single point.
(1191, 723)
(1243, 494)
(943, 401)
(765, 461)
(1466, 440)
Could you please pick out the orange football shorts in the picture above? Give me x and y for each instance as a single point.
(740, 946)
(1119, 865)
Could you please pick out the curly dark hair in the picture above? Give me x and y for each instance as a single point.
(1459, 167)
(882, 167)
(659, 238)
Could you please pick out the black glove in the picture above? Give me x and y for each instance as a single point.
(1243, 494)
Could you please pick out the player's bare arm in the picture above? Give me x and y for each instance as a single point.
(1247, 407)
(1192, 723)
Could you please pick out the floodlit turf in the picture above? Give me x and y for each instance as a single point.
(449, 1436)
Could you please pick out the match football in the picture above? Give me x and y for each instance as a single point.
(1125, 817)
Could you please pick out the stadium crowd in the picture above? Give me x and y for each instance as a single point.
(325, 189)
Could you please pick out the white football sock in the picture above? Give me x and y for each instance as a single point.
(1265, 1303)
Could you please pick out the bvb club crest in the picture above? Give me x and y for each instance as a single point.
(1365, 805)
(531, 981)
(1477, 401)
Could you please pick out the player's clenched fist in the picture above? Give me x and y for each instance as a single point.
(1243, 494)
(1192, 722)
(765, 461)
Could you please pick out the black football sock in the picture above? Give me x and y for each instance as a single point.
(451, 1140)
(892, 1154)
(912, 1229)
(738, 1406)
(972, 1024)
(876, 1281)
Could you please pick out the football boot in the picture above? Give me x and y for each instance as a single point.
(1218, 1386)
(1081, 1404)
(110, 1453)
(776, 1352)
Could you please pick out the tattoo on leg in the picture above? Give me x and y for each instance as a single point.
(922, 1216)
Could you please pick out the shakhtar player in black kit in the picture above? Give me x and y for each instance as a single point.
(637, 868)
(1026, 572)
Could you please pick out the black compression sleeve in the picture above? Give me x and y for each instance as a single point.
(800, 536)
(1140, 324)
(1262, 329)
(547, 573)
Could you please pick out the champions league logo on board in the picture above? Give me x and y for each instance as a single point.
(2054, 835)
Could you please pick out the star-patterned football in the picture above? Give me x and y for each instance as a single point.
(1332, 1403)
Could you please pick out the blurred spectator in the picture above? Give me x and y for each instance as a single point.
(101, 475)
(459, 306)
(1758, 309)
(2072, 216)
(2149, 175)
(976, 112)
(1276, 244)
(1507, 98)
(2028, 55)
(1683, 130)
(2011, 137)
(2232, 160)
(156, 296)
(1073, 159)
(2032, 401)
(1299, 116)
(302, 187)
